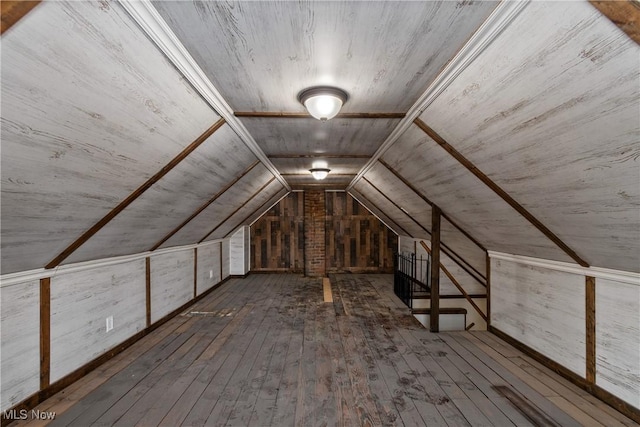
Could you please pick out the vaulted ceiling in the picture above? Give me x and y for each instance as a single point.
(135, 125)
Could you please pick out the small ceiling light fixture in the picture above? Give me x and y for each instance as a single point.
(319, 170)
(323, 102)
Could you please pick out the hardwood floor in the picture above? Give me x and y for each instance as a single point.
(268, 351)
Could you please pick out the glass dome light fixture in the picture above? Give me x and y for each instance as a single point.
(319, 173)
(323, 102)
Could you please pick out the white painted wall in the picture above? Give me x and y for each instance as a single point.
(80, 303)
(225, 258)
(239, 246)
(171, 282)
(618, 339)
(209, 271)
(541, 303)
(20, 344)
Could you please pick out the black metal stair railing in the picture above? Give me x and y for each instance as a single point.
(411, 277)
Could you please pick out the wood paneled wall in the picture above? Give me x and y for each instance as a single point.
(356, 241)
(277, 239)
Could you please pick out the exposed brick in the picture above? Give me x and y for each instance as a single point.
(314, 232)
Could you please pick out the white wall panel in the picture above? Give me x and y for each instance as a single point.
(239, 251)
(542, 308)
(90, 110)
(618, 339)
(208, 267)
(171, 282)
(80, 303)
(20, 342)
(225, 259)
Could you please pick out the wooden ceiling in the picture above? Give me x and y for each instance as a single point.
(540, 101)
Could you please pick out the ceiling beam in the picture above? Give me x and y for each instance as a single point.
(133, 196)
(237, 209)
(491, 28)
(204, 206)
(423, 197)
(13, 11)
(287, 115)
(625, 14)
(500, 192)
(308, 175)
(323, 156)
(145, 14)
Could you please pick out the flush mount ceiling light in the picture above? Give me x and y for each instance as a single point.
(319, 170)
(323, 102)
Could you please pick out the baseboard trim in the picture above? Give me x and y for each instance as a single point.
(615, 402)
(35, 399)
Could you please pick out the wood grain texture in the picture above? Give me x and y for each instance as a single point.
(434, 315)
(171, 282)
(355, 240)
(13, 11)
(336, 136)
(259, 200)
(618, 339)
(541, 308)
(562, 137)
(364, 201)
(625, 14)
(213, 214)
(19, 342)
(500, 192)
(262, 209)
(117, 113)
(484, 214)
(287, 115)
(296, 171)
(277, 238)
(204, 172)
(590, 327)
(80, 303)
(363, 48)
(225, 258)
(45, 332)
(209, 272)
(147, 290)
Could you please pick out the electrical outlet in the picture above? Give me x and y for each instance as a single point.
(210, 274)
(109, 323)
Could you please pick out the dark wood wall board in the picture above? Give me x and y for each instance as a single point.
(13, 11)
(590, 314)
(277, 238)
(45, 331)
(136, 193)
(355, 239)
(499, 191)
(434, 316)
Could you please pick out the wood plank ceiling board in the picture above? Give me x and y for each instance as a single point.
(420, 210)
(260, 55)
(296, 171)
(215, 213)
(220, 159)
(377, 212)
(86, 99)
(258, 200)
(311, 136)
(550, 113)
(463, 246)
(336, 182)
(390, 210)
(468, 201)
(265, 208)
(255, 208)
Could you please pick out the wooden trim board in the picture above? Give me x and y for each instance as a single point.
(292, 115)
(147, 277)
(434, 316)
(590, 314)
(45, 331)
(625, 14)
(13, 11)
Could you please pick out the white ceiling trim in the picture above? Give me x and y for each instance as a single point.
(597, 272)
(41, 273)
(143, 12)
(499, 19)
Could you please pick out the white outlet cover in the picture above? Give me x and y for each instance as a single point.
(109, 322)
(210, 274)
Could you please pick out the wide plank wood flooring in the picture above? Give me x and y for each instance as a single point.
(268, 351)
